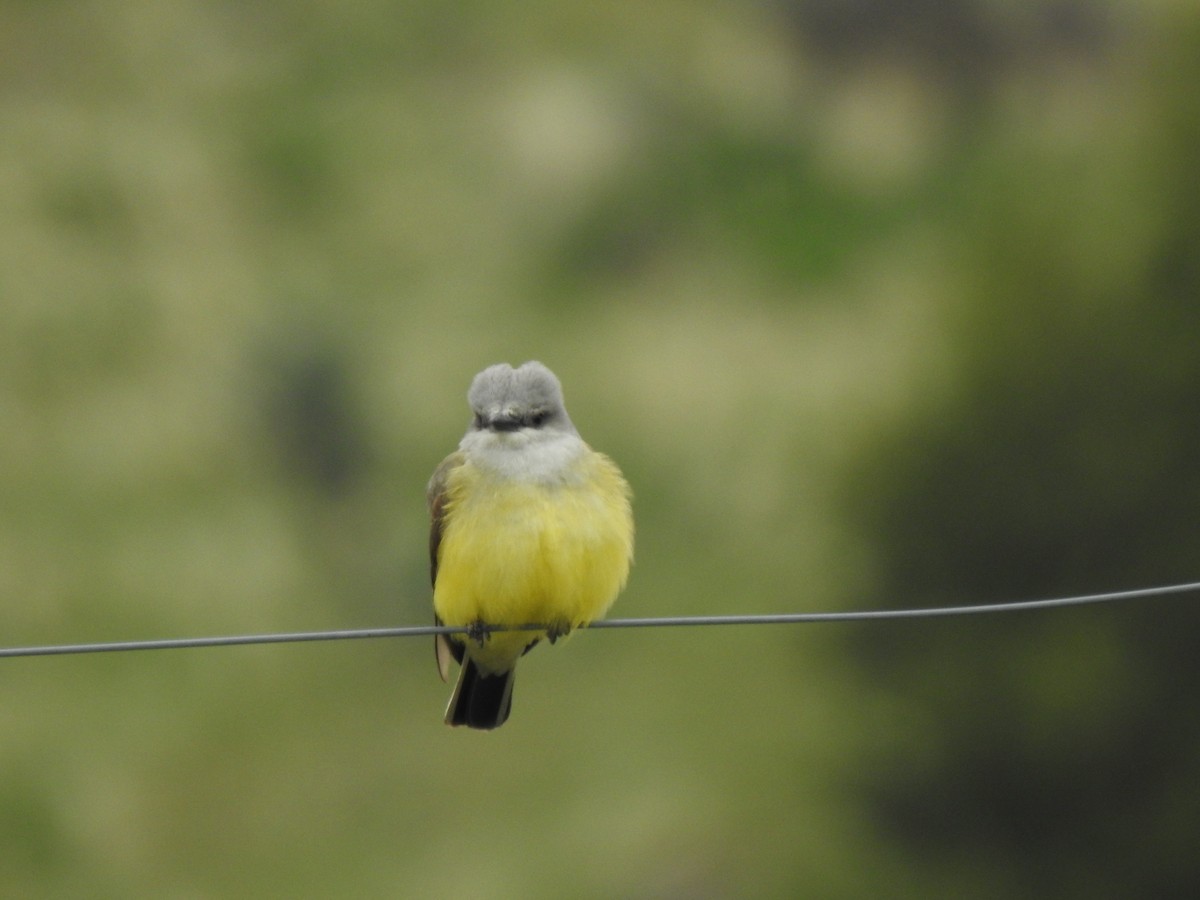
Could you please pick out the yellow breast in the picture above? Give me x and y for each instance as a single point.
(517, 551)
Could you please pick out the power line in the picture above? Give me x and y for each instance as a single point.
(653, 622)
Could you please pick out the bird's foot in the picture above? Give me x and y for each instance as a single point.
(479, 632)
(557, 629)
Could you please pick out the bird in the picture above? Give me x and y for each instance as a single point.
(528, 526)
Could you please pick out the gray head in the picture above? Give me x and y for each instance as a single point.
(527, 399)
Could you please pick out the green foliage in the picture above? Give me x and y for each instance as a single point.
(1063, 463)
(863, 326)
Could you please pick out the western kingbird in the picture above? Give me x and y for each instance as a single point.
(530, 526)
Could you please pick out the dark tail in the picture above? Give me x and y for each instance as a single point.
(480, 701)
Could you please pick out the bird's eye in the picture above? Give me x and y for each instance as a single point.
(538, 418)
(477, 422)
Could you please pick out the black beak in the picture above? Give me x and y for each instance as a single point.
(504, 423)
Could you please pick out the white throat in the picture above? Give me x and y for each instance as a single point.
(546, 457)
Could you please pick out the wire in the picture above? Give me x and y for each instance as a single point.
(923, 613)
(658, 622)
(227, 641)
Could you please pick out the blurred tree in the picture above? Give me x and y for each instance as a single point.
(966, 45)
(1059, 755)
(318, 430)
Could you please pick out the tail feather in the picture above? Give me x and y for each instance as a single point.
(479, 700)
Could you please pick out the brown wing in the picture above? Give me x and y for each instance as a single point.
(445, 649)
(435, 499)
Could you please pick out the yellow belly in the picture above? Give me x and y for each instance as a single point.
(517, 552)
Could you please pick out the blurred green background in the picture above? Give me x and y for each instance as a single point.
(876, 303)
